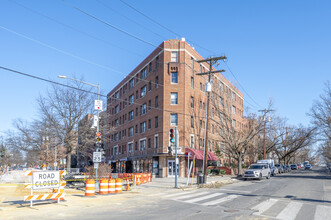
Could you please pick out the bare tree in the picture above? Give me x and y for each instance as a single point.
(63, 108)
(321, 119)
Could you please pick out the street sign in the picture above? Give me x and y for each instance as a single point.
(95, 121)
(96, 157)
(45, 179)
(96, 165)
(98, 105)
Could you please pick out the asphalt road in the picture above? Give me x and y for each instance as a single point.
(300, 195)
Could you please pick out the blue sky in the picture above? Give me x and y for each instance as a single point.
(276, 49)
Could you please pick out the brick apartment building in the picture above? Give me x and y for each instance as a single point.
(162, 92)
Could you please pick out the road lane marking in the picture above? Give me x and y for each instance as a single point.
(191, 195)
(263, 206)
(218, 201)
(322, 212)
(204, 197)
(241, 191)
(290, 211)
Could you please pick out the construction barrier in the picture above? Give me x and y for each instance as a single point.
(60, 190)
(103, 189)
(44, 196)
(90, 187)
(127, 185)
(118, 185)
(111, 186)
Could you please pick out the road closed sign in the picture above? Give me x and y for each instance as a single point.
(45, 179)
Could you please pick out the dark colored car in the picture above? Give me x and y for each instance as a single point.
(294, 167)
(308, 167)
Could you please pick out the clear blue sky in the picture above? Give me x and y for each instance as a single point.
(278, 49)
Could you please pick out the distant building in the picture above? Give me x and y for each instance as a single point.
(160, 93)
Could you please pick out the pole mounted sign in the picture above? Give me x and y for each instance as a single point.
(45, 179)
(96, 157)
(98, 105)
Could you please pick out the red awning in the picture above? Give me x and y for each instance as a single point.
(199, 154)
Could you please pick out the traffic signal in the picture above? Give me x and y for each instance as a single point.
(98, 134)
(172, 136)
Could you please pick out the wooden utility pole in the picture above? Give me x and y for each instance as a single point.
(265, 131)
(211, 61)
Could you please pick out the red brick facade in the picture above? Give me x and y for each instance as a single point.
(164, 84)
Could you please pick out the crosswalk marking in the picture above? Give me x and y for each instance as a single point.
(191, 195)
(178, 194)
(204, 197)
(290, 211)
(217, 201)
(322, 212)
(262, 207)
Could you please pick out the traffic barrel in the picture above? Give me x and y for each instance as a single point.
(127, 185)
(118, 185)
(103, 186)
(111, 186)
(90, 187)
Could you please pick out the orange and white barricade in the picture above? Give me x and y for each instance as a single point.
(103, 190)
(111, 186)
(118, 185)
(149, 177)
(61, 189)
(44, 196)
(90, 187)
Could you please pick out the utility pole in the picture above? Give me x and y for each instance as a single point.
(265, 131)
(211, 61)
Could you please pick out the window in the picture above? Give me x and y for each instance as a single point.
(157, 82)
(149, 143)
(221, 101)
(150, 67)
(192, 82)
(233, 109)
(143, 127)
(137, 94)
(142, 144)
(131, 99)
(136, 146)
(143, 109)
(174, 77)
(200, 104)
(173, 119)
(117, 95)
(156, 141)
(136, 111)
(116, 122)
(234, 123)
(156, 101)
(201, 87)
(192, 63)
(192, 102)
(192, 141)
(116, 137)
(233, 96)
(143, 91)
(149, 123)
(157, 62)
(116, 109)
(192, 122)
(149, 104)
(149, 86)
(131, 85)
(130, 147)
(130, 132)
(174, 98)
(156, 122)
(136, 128)
(143, 73)
(221, 87)
(116, 150)
(174, 56)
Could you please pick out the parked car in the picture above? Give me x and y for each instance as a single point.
(280, 168)
(308, 167)
(274, 171)
(285, 169)
(294, 167)
(299, 165)
(288, 168)
(257, 171)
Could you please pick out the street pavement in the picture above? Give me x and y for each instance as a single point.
(299, 195)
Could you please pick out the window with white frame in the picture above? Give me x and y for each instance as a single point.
(156, 141)
(173, 119)
(192, 82)
(143, 73)
(131, 131)
(116, 109)
(174, 98)
(116, 137)
(116, 150)
(117, 95)
(192, 122)
(142, 144)
(233, 109)
(192, 140)
(130, 147)
(174, 56)
(116, 123)
(233, 96)
(192, 102)
(143, 91)
(174, 77)
(234, 123)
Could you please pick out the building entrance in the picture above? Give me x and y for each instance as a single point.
(171, 168)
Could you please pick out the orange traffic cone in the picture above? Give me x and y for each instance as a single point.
(127, 185)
